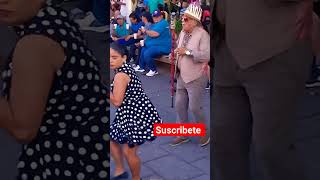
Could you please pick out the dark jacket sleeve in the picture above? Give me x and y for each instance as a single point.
(277, 3)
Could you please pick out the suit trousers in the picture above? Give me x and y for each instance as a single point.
(255, 107)
(190, 96)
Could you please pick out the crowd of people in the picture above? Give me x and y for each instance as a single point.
(146, 29)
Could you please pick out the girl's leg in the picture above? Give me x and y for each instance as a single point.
(117, 156)
(133, 161)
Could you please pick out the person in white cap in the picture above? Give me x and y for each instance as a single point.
(193, 52)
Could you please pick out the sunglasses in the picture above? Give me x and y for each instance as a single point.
(185, 19)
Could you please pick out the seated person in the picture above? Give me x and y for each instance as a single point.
(121, 31)
(136, 24)
(113, 21)
(157, 43)
(147, 20)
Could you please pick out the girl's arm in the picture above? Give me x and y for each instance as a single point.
(35, 61)
(121, 81)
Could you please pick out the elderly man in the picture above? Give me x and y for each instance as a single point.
(193, 55)
(262, 53)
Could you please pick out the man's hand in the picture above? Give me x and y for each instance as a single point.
(143, 30)
(304, 20)
(127, 37)
(115, 38)
(181, 51)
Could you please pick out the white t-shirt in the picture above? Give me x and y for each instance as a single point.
(126, 9)
(123, 8)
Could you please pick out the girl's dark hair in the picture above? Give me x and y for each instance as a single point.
(148, 16)
(122, 50)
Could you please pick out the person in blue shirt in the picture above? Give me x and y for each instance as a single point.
(157, 43)
(136, 24)
(147, 20)
(121, 32)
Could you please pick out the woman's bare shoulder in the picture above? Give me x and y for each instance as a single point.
(39, 49)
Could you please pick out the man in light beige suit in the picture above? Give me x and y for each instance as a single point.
(193, 51)
(261, 64)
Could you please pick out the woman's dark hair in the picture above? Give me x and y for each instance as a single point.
(160, 7)
(134, 16)
(148, 16)
(122, 50)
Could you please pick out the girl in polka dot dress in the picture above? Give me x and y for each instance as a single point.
(135, 116)
(52, 98)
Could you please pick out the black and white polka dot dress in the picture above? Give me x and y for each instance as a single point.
(134, 119)
(73, 140)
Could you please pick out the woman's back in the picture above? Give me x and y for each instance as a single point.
(72, 138)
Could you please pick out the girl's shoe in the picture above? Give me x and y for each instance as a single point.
(124, 175)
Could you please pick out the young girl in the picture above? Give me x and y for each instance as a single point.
(135, 116)
(52, 99)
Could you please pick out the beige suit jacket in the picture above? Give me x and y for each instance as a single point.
(257, 30)
(190, 67)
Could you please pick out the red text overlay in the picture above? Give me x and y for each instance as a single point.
(179, 130)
